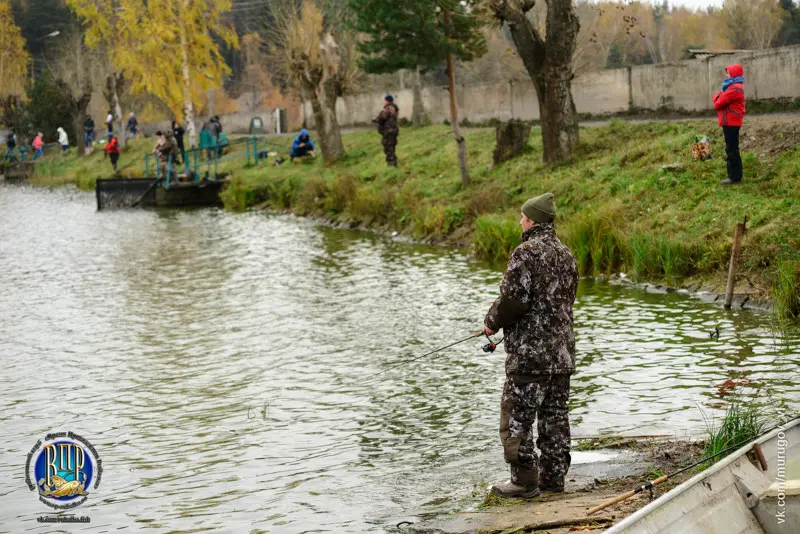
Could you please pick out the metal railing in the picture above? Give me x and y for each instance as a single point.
(206, 160)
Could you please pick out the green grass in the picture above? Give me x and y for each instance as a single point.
(787, 290)
(743, 421)
(617, 209)
(83, 171)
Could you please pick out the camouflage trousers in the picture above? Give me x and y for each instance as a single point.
(524, 400)
(389, 142)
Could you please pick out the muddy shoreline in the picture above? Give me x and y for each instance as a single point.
(629, 462)
(706, 289)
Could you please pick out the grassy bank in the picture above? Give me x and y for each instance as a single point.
(83, 171)
(618, 209)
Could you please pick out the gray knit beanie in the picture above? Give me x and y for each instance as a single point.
(541, 209)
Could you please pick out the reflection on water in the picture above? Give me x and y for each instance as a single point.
(217, 362)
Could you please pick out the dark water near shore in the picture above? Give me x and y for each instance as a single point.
(216, 362)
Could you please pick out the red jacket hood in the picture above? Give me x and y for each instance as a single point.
(735, 70)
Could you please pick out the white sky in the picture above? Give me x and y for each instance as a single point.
(694, 4)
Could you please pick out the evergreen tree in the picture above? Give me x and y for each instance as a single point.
(790, 32)
(422, 34)
(614, 59)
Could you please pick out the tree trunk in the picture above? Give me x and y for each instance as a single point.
(323, 108)
(114, 86)
(558, 116)
(549, 65)
(462, 143)
(188, 106)
(511, 139)
(323, 105)
(79, 107)
(418, 109)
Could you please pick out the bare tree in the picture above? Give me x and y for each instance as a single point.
(75, 66)
(314, 54)
(753, 23)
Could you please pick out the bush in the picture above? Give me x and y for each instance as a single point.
(596, 244)
(742, 422)
(342, 193)
(312, 195)
(487, 200)
(496, 237)
(373, 202)
(787, 290)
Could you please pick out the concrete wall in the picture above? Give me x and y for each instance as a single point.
(689, 85)
(238, 123)
(773, 73)
(674, 85)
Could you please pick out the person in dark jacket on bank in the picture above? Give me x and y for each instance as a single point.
(302, 146)
(177, 132)
(730, 106)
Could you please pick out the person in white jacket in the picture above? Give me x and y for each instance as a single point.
(63, 140)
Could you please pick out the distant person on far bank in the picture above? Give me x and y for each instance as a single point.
(63, 140)
(11, 147)
(166, 151)
(88, 132)
(38, 145)
(112, 149)
(389, 129)
(132, 125)
(302, 146)
(730, 106)
(110, 124)
(178, 132)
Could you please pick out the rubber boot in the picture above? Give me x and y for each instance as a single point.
(509, 490)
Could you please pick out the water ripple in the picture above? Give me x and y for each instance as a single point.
(217, 363)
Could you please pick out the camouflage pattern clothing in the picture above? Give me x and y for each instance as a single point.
(389, 130)
(534, 311)
(164, 150)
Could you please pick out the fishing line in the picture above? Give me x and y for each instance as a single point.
(410, 360)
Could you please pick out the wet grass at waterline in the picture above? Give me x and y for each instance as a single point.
(743, 421)
(619, 210)
(83, 171)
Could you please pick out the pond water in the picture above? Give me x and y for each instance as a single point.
(221, 365)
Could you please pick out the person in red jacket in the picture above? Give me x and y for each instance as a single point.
(730, 107)
(112, 147)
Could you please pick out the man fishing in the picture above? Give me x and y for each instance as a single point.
(534, 311)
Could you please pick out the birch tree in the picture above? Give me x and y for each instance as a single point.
(167, 48)
(13, 56)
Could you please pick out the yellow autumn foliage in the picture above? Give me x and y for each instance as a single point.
(13, 56)
(167, 48)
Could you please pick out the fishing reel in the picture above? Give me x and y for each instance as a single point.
(491, 346)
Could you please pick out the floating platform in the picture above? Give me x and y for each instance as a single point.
(115, 193)
(17, 171)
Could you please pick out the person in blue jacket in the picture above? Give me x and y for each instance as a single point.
(302, 146)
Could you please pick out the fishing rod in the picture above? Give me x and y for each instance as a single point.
(489, 348)
(652, 483)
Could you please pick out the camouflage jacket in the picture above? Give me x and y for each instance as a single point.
(387, 120)
(535, 305)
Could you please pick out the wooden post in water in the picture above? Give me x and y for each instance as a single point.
(737, 246)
